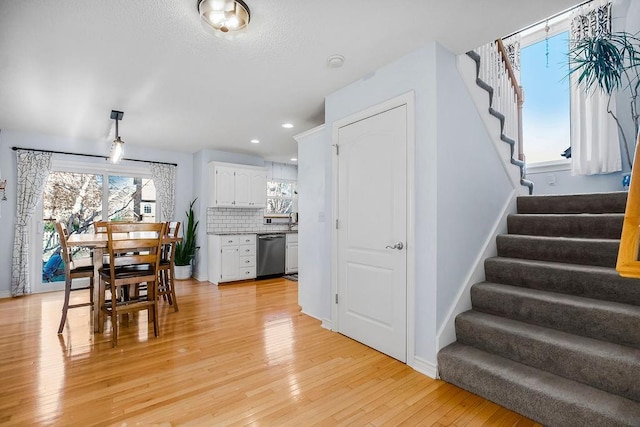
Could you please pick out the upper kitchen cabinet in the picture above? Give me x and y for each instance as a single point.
(237, 186)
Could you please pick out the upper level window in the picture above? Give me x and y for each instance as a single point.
(543, 75)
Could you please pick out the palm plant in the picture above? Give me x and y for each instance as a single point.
(610, 63)
(186, 249)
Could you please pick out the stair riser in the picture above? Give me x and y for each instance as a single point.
(585, 226)
(606, 286)
(554, 352)
(537, 395)
(581, 203)
(620, 327)
(587, 252)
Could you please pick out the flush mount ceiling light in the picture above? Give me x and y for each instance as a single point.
(287, 125)
(225, 16)
(117, 147)
(255, 141)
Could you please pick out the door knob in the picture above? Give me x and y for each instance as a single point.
(397, 246)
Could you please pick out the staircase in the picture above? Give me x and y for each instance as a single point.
(554, 331)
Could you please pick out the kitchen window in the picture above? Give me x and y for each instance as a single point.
(281, 196)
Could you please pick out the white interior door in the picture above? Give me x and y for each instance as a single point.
(372, 231)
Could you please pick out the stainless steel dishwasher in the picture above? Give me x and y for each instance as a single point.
(271, 254)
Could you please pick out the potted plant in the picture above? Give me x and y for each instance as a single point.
(610, 62)
(186, 249)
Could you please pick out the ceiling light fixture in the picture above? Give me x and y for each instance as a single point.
(293, 159)
(117, 148)
(225, 16)
(255, 141)
(287, 125)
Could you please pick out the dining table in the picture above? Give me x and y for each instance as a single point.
(98, 243)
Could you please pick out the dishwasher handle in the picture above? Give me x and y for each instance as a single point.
(271, 237)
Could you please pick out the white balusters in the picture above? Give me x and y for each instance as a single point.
(494, 72)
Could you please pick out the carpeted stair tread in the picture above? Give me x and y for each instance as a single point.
(542, 396)
(574, 203)
(600, 252)
(580, 280)
(599, 364)
(597, 226)
(603, 320)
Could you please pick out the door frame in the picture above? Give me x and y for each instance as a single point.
(407, 99)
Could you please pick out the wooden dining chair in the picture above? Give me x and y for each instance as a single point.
(134, 259)
(73, 269)
(166, 282)
(100, 226)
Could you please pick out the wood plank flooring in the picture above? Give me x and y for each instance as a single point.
(240, 354)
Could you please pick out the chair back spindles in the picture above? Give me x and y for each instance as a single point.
(135, 253)
(166, 285)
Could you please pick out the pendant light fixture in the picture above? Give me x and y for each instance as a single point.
(225, 17)
(117, 148)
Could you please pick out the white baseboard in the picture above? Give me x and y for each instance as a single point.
(5, 294)
(326, 323)
(425, 367)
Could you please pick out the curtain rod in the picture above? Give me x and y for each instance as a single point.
(88, 155)
(548, 19)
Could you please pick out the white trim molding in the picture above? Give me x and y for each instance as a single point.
(425, 367)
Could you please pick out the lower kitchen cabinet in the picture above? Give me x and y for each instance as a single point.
(232, 257)
(291, 259)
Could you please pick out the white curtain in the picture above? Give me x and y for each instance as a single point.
(595, 148)
(164, 179)
(33, 170)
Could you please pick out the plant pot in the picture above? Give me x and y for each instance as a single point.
(182, 272)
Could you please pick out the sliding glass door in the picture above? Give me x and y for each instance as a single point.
(76, 195)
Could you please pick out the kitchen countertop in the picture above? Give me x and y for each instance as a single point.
(253, 232)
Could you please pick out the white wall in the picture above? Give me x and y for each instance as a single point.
(460, 185)
(562, 182)
(413, 72)
(314, 279)
(8, 139)
(473, 187)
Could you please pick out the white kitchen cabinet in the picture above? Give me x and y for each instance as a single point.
(232, 257)
(223, 186)
(258, 189)
(237, 186)
(291, 257)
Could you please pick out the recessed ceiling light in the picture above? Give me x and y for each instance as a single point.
(255, 141)
(293, 159)
(287, 125)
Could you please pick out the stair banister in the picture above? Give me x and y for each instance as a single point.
(495, 74)
(519, 93)
(628, 264)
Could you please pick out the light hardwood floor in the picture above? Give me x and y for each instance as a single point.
(240, 354)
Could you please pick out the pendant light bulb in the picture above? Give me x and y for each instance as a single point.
(117, 151)
(117, 148)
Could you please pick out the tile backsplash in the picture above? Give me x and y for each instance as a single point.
(238, 220)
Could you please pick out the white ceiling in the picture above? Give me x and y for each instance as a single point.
(65, 64)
